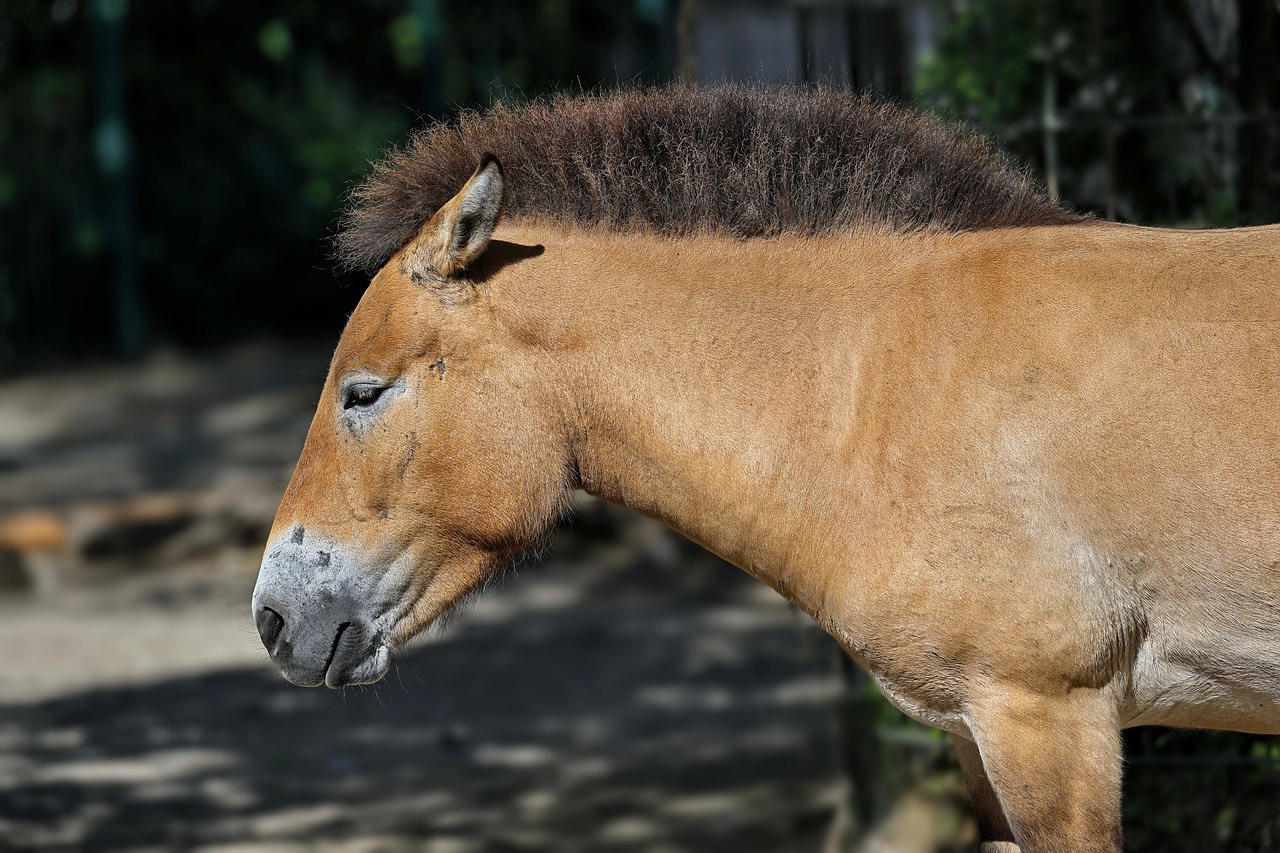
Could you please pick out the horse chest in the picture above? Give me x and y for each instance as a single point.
(951, 721)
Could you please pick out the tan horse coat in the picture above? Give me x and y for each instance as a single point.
(1028, 477)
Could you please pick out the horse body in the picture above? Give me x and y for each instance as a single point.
(1027, 476)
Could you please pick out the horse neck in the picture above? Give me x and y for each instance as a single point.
(708, 383)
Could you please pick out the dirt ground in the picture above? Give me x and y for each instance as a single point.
(628, 693)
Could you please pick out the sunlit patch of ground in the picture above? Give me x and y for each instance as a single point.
(579, 707)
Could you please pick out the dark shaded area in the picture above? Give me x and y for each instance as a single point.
(1189, 791)
(1159, 112)
(196, 154)
(169, 171)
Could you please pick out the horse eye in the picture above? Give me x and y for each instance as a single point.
(362, 396)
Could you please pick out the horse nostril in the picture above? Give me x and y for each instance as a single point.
(270, 624)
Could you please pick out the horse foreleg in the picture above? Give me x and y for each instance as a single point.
(1054, 767)
(994, 834)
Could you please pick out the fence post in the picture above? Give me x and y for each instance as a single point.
(112, 150)
(1049, 119)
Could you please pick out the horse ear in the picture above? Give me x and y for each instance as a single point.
(460, 230)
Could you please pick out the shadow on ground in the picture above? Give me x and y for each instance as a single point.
(573, 710)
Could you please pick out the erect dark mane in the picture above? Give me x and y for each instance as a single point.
(741, 161)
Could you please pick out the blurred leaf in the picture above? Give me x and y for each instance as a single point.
(247, 125)
(274, 40)
(86, 238)
(407, 41)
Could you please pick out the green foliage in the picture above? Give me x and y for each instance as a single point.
(982, 68)
(274, 40)
(1226, 787)
(245, 127)
(1137, 92)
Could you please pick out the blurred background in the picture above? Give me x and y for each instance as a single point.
(169, 175)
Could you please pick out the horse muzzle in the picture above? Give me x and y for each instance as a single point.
(318, 616)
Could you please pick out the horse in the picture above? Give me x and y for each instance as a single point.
(1023, 464)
